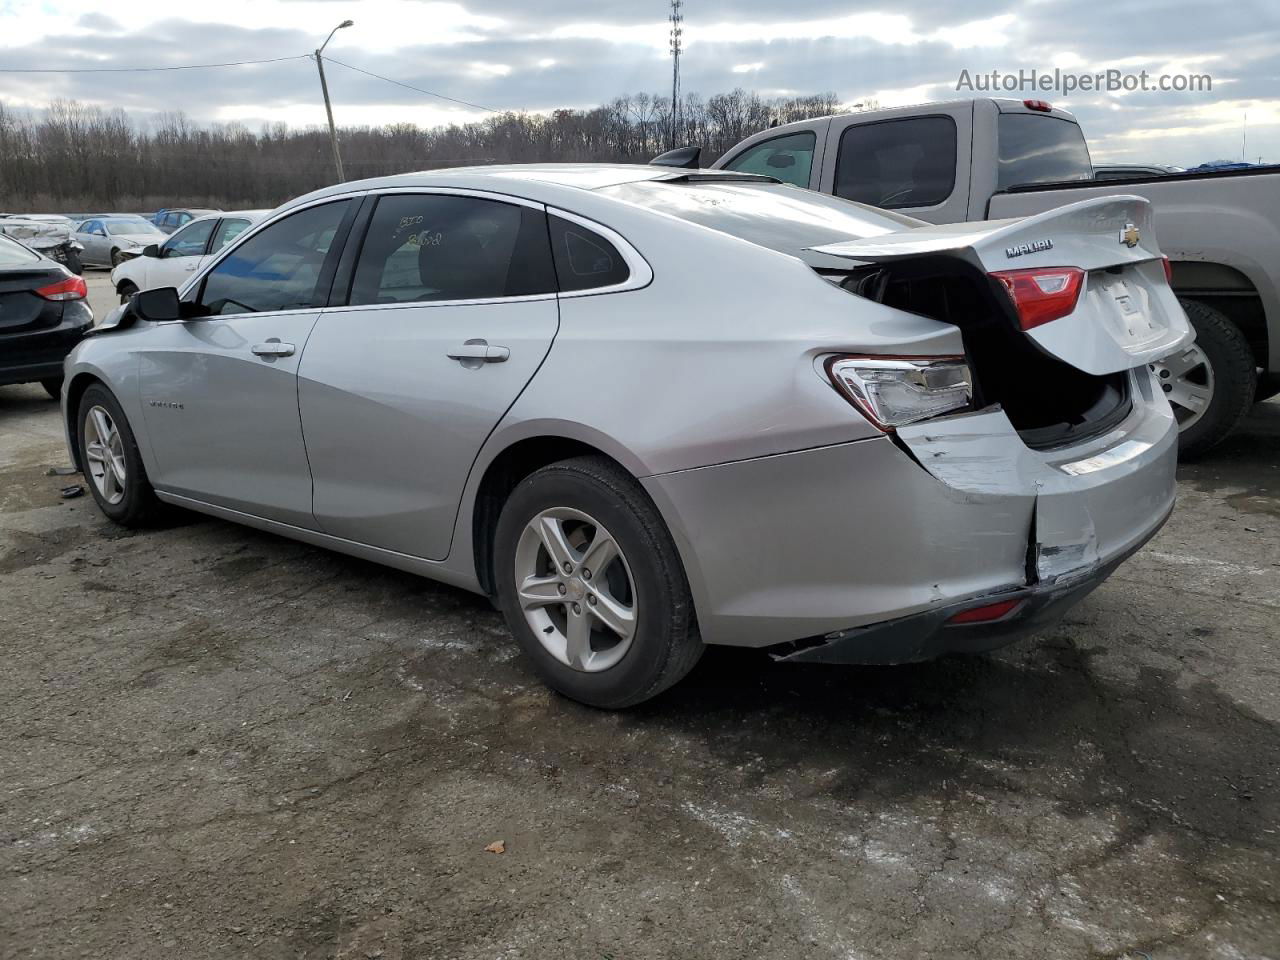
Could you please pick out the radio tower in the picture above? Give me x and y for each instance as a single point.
(676, 18)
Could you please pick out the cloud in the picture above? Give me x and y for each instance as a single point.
(542, 54)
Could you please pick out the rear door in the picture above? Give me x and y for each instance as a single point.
(219, 392)
(917, 164)
(451, 309)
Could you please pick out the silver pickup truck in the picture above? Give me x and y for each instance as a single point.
(1000, 159)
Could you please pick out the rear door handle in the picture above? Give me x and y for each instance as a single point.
(479, 350)
(273, 348)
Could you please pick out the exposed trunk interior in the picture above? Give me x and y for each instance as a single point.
(1049, 402)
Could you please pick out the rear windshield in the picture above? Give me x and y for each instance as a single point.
(14, 254)
(770, 215)
(1035, 148)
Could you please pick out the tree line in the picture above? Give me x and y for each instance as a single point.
(74, 156)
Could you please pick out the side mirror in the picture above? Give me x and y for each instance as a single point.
(781, 160)
(158, 305)
(151, 250)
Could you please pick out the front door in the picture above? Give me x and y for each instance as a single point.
(452, 308)
(219, 391)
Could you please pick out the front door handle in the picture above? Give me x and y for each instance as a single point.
(476, 352)
(273, 348)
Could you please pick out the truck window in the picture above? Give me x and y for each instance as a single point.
(1035, 148)
(788, 158)
(898, 163)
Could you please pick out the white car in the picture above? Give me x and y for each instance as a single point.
(169, 264)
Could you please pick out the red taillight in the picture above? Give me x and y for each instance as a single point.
(72, 288)
(1168, 270)
(1041, 294)
(1038, 105)
(992, 611)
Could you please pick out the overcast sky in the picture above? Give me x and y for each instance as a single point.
(543, 54)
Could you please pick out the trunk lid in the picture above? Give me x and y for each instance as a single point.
(1126, 314)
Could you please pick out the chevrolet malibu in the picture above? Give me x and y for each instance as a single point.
(648, 409)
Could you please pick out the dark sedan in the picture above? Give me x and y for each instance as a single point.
(43, 314)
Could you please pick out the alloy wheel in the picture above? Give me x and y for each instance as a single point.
(104, 449)
(575, 589)
(1187, 380)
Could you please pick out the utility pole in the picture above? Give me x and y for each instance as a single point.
(676, 18)
(324, 88)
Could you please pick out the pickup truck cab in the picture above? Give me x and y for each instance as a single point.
(994, 159)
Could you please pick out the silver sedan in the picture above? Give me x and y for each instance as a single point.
(649, 409)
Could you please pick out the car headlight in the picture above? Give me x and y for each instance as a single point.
(895, 391)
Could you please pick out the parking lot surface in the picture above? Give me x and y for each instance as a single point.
(221, 743)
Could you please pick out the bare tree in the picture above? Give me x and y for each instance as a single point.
(74, 156)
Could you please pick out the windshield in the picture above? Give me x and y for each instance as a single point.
(129, 226)
(1035, 148)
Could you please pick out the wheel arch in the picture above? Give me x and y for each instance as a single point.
(80, 382)
(503, 474)
(1229, 291)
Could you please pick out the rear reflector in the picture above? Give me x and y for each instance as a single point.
(1041, 294)
(1037, 105)
(992, 611)
(1168, 271)
(72, 288)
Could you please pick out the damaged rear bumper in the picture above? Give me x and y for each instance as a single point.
(876, 533)
(924, 636)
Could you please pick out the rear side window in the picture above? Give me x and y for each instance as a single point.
(227, 231)
(898, 163)
(278, 269)
(584, 259)
(1035, 148)
(425, 247)
(788, 158)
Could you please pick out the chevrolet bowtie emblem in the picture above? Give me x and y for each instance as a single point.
(1129, 236)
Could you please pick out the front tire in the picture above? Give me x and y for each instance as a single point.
(1211, 384)
(116, 259)
(591, 585)
(111, 462)
(74, 264)
(126, 291)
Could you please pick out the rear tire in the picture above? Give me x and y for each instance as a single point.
(120, 487)
(1230, 378)
(53, 387)
(595, 497)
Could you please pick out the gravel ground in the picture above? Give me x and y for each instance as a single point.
(219, 743)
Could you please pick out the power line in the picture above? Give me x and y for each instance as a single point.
(410, 86)
(188, 66)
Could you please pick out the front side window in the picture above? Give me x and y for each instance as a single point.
(898, 163)
(789, 158)
(227, 231)
(584, 259)
(190, 241)
(426, 247)
(93, 227)
(279, 269)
